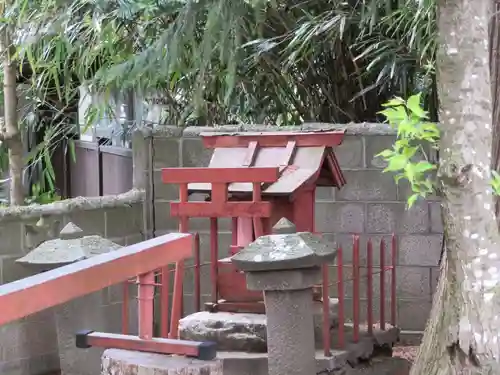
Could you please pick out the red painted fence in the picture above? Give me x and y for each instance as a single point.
(138, 262)
(383, 271)
(381, 274)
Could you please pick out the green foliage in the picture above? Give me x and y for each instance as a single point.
(218, 61)
(407, 159)
(42, 196)
(222, 62)
(495, 183)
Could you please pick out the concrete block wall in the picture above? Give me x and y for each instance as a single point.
(371, 205)
(29, 346)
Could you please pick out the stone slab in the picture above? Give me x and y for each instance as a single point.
(241, 363)
(339, 363)
(125, 362)
(243, 331)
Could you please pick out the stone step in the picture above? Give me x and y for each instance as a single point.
(361, 359)
(124, 362)
(242, 363)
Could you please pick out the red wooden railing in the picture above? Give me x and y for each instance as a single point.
(140, 261)
(356, 298)
(383, 272)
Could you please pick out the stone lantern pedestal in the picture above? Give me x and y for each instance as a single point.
(286, 267)
(99, 311)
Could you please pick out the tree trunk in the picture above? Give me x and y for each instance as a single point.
(11, 135)
(495, 91)
(462, 335)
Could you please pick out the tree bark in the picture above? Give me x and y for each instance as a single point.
(463, 332)
(11, 134)
(494, 36)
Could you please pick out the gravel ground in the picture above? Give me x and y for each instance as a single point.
(408, 353)
(404, 357)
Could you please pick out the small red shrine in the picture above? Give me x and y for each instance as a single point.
(256, 179)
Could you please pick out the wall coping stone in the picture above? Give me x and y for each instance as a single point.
(364, 128)
(71, 205)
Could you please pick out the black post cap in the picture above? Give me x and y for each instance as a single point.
(82, 339)
(207, 351)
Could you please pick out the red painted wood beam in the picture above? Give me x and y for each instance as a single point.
(200, 350)
(36, 293)
(219, 175)
(274, 139)
(222, 209)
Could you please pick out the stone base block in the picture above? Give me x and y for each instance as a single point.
(369, 345)
(242, 331)
(240, 363)
(350, 361)
(125, 362)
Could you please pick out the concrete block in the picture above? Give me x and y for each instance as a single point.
(90, 221)
(205, 280)
(123, 221)
(413, 313)
(11, 234)
(194, 154)
(141, 158)
(38, 335)
(44, 364)
(325, 193)
(348, 284)
(375, 144)
(122, 241)
(163, 219)
(169, 192)
(188, 303)
(15, 367)
(368, 185)
(114, 310)
(420, 250)
(340, 217)
(131, 240)
(350, 152)
(436, 219)
(435, 272)
(395, 218)
(82, 313)
(12, 271)
(28, 345)
(404, 192)
(166, 152)
(346, 242)
(202, 224)
(413, 282)
(363, 310)
(224, 244)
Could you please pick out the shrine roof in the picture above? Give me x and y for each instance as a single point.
(302, 158)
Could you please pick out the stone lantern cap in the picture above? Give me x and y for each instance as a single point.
(280, 252)
(284, 226)
(71, 246)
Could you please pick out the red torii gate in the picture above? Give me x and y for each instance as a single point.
(256, 179)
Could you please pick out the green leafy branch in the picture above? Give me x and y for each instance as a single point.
(407, 159)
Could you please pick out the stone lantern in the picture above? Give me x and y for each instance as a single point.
(286, 267)
(99, 311)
